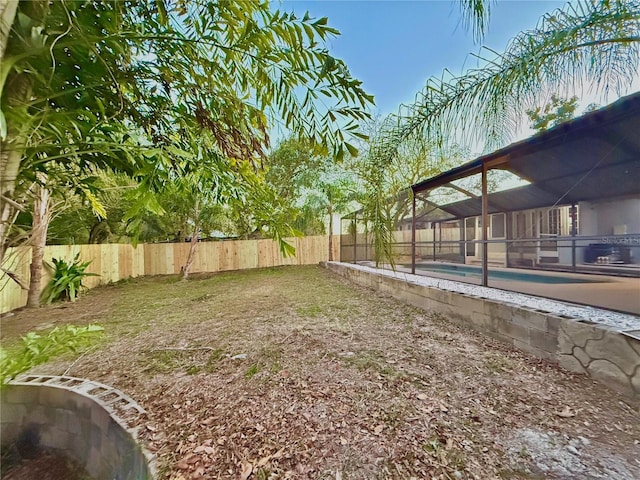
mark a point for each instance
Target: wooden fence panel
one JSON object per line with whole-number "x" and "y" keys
{"x": 113, "y": 262}
{"x": 16, "y": 260}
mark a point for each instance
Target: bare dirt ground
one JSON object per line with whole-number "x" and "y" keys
{"x": 45, "y": 465}
{"x": 296, "y": 373}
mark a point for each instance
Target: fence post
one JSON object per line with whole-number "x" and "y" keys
{"x": 485, "y": 228}
{"x": 413, "y": 233}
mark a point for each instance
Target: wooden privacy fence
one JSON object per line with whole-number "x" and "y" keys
{"x": 115, "y": 262}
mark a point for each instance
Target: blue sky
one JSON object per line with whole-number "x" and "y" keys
{"x": 394, "y": 46}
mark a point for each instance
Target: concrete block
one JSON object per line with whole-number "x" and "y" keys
{"x": 553, "y": 324}
{"x": 501, "y": 337}
{"x": 526, "y": 347}
{"x": 41, "y": 415}
{"x": 480, "y": 321}
{"x": 56, "y": 398}
{"x": 100, "y": 418}
{"x": 75, "y": 423}
{"x": 9, "y": 433}
{"x": 614, "y": 347}
{"x": 13, "y": 413}
{"x": 497, "y": 325}
{"x": 66, "y": 424}
{"x": 95, "y": 463}
{"x": 25, "y": 395}
{"x": 61, "y": 417}
{"x": 544, "y": 341}
{"x": 79, "y": 444}
{"x": 440, "y": 295}
{"x": 411, "y": 298}
{"x": 498, "y": 310}
{"x": 517, "y": 332}
{"x": 465, "y": 303}
{"x": 53, "y": 437}
{"x": 530, "y": 319}
{"x": 96, "y": 436}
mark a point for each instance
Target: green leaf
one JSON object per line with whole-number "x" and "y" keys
{"x": 353, "y": 151}
{"x": 3, "y": 126}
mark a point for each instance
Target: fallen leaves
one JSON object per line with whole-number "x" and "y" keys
{"x": 566, "y": 412}
{"x": 413, "y": 402}
{"x": 245, "y": 470}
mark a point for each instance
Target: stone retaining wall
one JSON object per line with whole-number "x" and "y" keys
{"x": 597, "y": 350}
{"x": 82, "y": 419}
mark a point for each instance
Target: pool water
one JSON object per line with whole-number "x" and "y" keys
{"x": 476, "y": 272}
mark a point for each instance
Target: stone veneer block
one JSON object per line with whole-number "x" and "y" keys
{"x": 634, "y": 342}
{"x": 544, "y": 341}
{"x": 581, "y": 356}
{"x": 615, "y": 348}
{"x": 572, "y": 333}
{"x": 571, "y": 363}
{"x": 635, "y": 380}
{"x": 609, "y": 373}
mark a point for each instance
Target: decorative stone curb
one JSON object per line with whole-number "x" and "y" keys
{"x": 601, "y": 351}
{"x": 85, "y": 420}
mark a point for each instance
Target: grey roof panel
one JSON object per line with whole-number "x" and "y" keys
{"x": 593, "y": 157}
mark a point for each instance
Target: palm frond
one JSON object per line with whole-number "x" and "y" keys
{"x": 592, "y": 45}
{"x": 475, "y": 16}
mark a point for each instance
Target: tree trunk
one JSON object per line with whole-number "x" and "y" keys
{"x": 9, "y": 167}
{"x": 9, "y": 160}
{"x": 192, "y": 252}
{"x": 330, "y": 233}
{"x": 40, "y": 226}
{"x": 8, "y": 10}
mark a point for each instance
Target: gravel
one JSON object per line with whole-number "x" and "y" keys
{"x": 553, "y": 455}
{"x": 619, "y": 321}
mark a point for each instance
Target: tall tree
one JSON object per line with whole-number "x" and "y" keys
{"x": 332, "y": 195}
{"x": 111, "y": 83}
{"x": 89, "y": 85}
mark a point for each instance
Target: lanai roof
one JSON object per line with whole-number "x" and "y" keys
{"x": 593, "y": 157}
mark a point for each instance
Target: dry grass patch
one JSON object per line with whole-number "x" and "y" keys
{"x": 296, "y": 373}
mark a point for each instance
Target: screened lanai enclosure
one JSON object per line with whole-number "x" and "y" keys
{"x": 556, "y": 215}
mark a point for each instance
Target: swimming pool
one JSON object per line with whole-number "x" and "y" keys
{"x": 476, "y": 272}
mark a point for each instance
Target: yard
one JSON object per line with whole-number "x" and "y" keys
{"x": 331, "y": 380}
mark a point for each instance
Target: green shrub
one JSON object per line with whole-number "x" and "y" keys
{"x": 35, "y": 349}
{"x": 66, "y": 281}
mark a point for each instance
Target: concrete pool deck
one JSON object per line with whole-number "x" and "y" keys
{"x": 603, "y": 291}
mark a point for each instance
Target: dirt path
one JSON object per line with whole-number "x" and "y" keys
{"x": 296, "y": 373}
